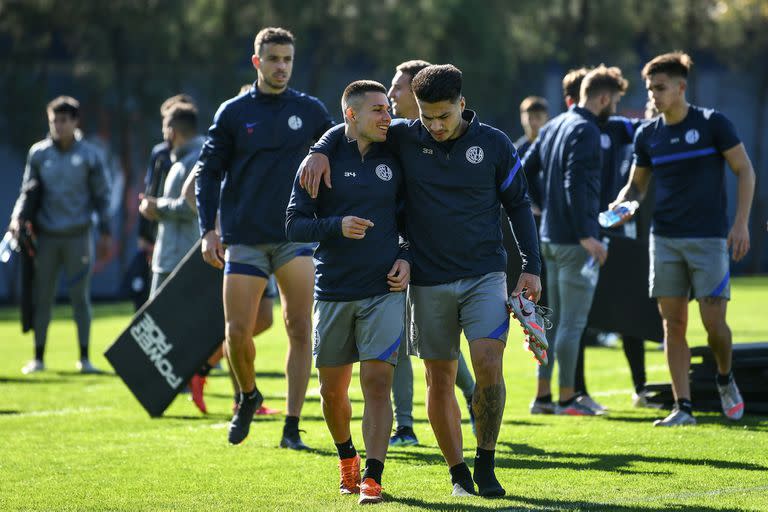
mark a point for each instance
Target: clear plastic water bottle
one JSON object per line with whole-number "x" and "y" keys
{"x": 610, "y": 218}
{"x": 591, "y": 268}
{"x": 7, "y": 246}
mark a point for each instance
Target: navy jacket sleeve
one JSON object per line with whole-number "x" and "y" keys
{"x": 329, "y": 140}
{"x": 725, "y": 133}
{"x": 531, "y": 165}
{"x": 214, "y": 160}
{"x": 513, "y": 193}
{"x": 642, "y": 159}
{"x": 582, "y": 180}
{"x": 301, "y": 221}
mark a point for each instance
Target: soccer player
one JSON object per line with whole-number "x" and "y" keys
{"x": 404, "y": 106}
{"x": 70, "y": 172}
{"x": 686, "y": 148}
{"x": 568, "y": 152}
{"x": 458, "y": 173}
{"x": 361, "y": 275}
{"x": 245, "y": 170}
{"x": 534, "y": 113}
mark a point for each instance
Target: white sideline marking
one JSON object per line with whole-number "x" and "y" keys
{"x": 62, "y": 412}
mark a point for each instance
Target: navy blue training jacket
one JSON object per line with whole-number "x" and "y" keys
{"x": 249, "y": 160}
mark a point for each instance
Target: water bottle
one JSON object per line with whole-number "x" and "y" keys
{"x": 591, "y": 268}
{"x": 7, "y": 246}
{"x": 610, "y": 218}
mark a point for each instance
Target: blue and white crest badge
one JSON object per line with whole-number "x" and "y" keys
{"x": 475, "y": 154}
{"x": 384, "y": 172}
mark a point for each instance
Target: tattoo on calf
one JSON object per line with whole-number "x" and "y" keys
{"x": 488, "y": 406}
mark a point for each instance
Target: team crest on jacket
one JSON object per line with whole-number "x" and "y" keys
{"x": 76, "y": 159}
{"x": 605, "y": 141}
{"x": 692, "y": 136}
{"x": 475, "y": 154}
{"x": 295, "y": 122}
{"x": 384, "y": 172}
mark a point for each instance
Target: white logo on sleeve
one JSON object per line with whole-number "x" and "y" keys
{"x": 295, "y": 122}
{"x": 384, "y": 172}
{"x": 692, "y": 136}
{"x": 475, "y": 154}
{"x": 605, "y": 141}
{"x": 76, "y": 160}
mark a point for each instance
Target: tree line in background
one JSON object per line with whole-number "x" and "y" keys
{"x": 129, "y": 55}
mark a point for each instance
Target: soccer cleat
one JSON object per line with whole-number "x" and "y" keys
{"x": 460, "y": 491}
{"x": 640, "y": 400}
{"x": 241, "y": 421}
{"x": 84, "y": 366}
{"x": 676, "y": 418}
{"x": 33, "y": 366}
{"x": 266, "y": 411}
{"x": 587, "y": 401}
{"x": 535, "y": 320}
{"x": 540, "y": 407}
{"x": 196, "y": 386}
{"x": 730, "y": 398}
{"x": 574, "y": 409}
{"x": 403, "y": 436}
{"x": 349, "y": 470}
{"x": 292, "y": 441}
{"x": 370, "y": 492}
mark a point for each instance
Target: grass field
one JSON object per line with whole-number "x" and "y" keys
{"x": 71, "y": 442}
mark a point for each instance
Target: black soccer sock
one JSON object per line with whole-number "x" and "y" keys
{"x": 544, "y": 398}
{"x": 291, "y": 425}
{"x": 83, "y": 351}
{"x": 461, "y": 475}
{"x": 485, "y": 476}
{"x": 347, "y": 450}
{"x": 685, "y": 405}
{"x": 723, "y": 380}
{"x": 204, "y": 370}
{"x": 39, "y": 352}
{"x": 373, "y": 469}
{"x": 484, "y": 459}
{"x": 634, "y": 351}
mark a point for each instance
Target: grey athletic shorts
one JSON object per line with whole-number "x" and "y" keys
{"x": 679, "y": 264}
{"x": 263, "y": 259}
{"x": 437, "y": 315}
{"x": 359, "y": 330}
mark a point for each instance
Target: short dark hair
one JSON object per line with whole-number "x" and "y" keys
{"x": 603, "y": 79}
{"x": 676, "y": 64}
{"x": 182, "y": 117}
{"x": 412, "y": 67}
{"x": 437, "y": 83}
{"x": 572, "y": 82}
{"x": 64, "y": 105}
{"x": 534, "y": 104}
{"x": 166, "y": 106}
{"x": 272, "y": 35}
{"x": 357, "y": 89}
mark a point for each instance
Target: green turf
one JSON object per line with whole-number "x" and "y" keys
{"x": 71, "y": 442}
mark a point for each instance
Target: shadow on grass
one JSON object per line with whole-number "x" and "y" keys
{"x": 749, "y": 421}
{"x": 76, "y": 373}
{"x": 30, "y": 380}
{"x": 523, "y": 504}
{"x": 618, "y": 463}
{"x": 9, "y": 412}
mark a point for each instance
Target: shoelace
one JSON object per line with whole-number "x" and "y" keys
{"x": 348, "y": 473}
{"x": 544, "y": 313}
